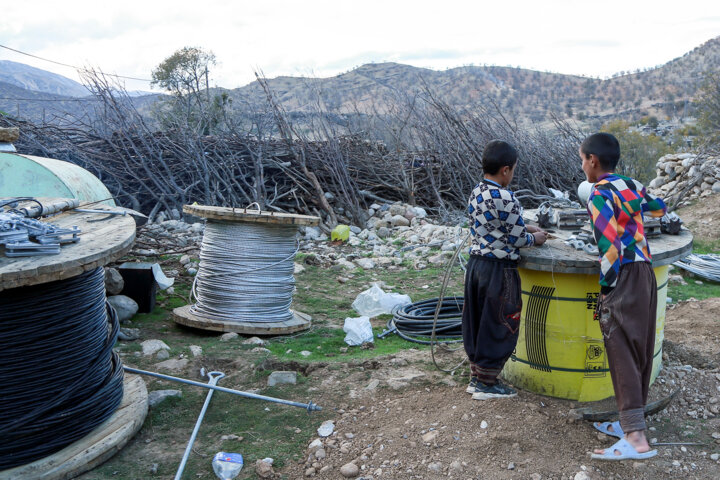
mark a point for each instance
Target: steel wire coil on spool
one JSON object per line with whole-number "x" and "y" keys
{"x": 59, "y": 377}
{"x": 414, "y": 322}
{"x": 246, "y": 272}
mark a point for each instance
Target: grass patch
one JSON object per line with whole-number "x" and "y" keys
{"x": 704, "y": 246}
{"x": 702, "y": 291}
{"x": 699, "y": 291}
{"x": 328, "y": 345}
{"x": 320, "y": 293}
{"x": 168, "y": 427}
{"x": 268, "y": 429}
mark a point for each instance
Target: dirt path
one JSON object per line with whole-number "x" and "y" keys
{"x": 403, "y": 419}
{"x": 702, "y": 218}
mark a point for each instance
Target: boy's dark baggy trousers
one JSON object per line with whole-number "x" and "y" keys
{"x": 491, "y": 315}
{"x": 627, "y": 320}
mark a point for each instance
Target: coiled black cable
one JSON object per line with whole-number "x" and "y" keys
{"x": 59, "y": 377}
{"x": 414, "y": 322}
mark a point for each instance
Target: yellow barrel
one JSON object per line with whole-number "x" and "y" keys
{"x": 560, "y": 350}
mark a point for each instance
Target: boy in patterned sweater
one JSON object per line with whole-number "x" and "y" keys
{"x": 628, "y": 293}
{"x": 492, "y": 304}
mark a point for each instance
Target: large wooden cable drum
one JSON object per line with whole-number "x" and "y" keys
{"x": 245, "y": 281}
{"x": 65, "y": 405}
{"x": 560, "y": 350}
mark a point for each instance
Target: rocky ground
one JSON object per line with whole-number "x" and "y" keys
{"x": 401, "y": 418}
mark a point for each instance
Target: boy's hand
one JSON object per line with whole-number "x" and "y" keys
{"x": 532, "y": 228}
{"x": 540, "y": 237}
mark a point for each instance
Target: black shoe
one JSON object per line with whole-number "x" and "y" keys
{"x": 483, "y": 392}
{"x": 473, "y": 385}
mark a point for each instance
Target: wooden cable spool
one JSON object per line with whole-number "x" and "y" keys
{"x": 101, "y": 242}
{"x": 189, "y": 316}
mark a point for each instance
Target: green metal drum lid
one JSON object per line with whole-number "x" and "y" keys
{"x": 31, "y": 176}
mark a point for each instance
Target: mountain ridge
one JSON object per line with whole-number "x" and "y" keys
{"x": 39, "y": 80}
{"x": 527, "y": 94}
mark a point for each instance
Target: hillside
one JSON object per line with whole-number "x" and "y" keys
{"x": 664, "y": 91}
{"x": 667, "y": 90}
{"x": 38, "y": 80}
{"x": 39, "y": 107}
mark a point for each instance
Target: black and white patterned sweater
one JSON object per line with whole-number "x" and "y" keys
{"x": 496, "y": 224}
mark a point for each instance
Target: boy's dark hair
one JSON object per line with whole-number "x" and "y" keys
{"x": 605, "y": 146}
{"x": 498, "y": 154}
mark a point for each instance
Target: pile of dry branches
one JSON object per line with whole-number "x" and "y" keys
{"x": 420, "y": 151}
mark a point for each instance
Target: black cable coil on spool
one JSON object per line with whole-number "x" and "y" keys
{"x": 414, "y": 322}
{"x": 59, "y": 377}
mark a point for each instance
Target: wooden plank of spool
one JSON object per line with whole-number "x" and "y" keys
{"x": 230, "y": 214}
{"x": 101, "y": 242}
{"x": 300, "y": 321}
{"x": 96, "y": 447}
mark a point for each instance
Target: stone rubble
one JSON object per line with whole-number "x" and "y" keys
{"x": 393, "y": 234}
{"x": 694, "y": 175}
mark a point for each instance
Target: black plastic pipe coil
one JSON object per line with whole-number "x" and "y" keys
{"x": 414, "y": 322}
{"x": 59, "y": 377}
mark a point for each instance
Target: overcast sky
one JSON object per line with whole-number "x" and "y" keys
{"x": 325, "y": 38}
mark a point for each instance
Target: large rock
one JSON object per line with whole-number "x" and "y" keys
{"x": 128, "y": 334}
{"x": 114, "y": 282}
{"x": 399, "y": 221}
{"x": 344, "y": 263}
{"x": 313, "y": 233}
{"x": 383, "y": 232}
{"x": 264, "y": 469}
{"x": 157, "y": 396}
{"x": 349, "y": 470}
{"x": 151, "y": 347}
{"x": 437, "y": 259}
{"x": 396, "y": 209}
{"x": 282, "y": 377}
{"x": 365, "y": 263}
{"x": 125, "y": 307}
{"x": 173, "y": 365}
{"x": 9, "y": 134}
{"x": 657, "y": 182}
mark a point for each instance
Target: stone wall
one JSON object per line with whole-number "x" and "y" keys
{"x": 686, "y": 176}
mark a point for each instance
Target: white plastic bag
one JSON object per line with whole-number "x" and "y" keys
{"x": 358, "y": 331}
{"x": 374, "y": 301}
{"x": 227, "y": 465}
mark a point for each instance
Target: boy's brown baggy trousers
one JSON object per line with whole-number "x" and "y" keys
{"x": 627, "y": 320}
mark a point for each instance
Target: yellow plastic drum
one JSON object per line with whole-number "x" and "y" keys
{"x": 560, "y": 351}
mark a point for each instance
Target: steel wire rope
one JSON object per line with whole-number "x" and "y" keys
{"x": 59, "y": 377}
{"x": 706, "y": 266}
{"x": 443, "y": 289}
{"x": 246, "y": 272}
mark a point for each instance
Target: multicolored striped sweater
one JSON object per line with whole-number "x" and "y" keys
{"x": 496, "y": 225}
{"x": 616, "y": 206}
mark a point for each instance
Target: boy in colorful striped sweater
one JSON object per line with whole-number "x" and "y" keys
{"x": 628, "y": 293}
